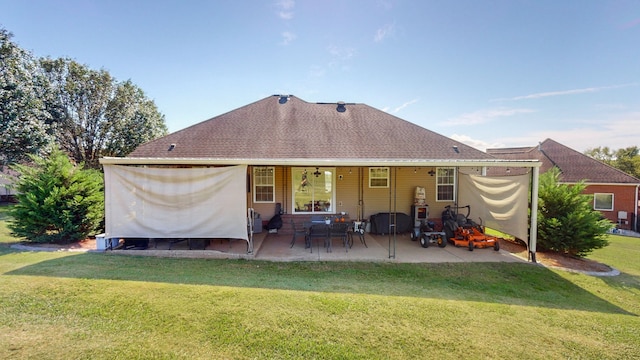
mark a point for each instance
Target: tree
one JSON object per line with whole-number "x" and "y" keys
{"x": 603, "y": 154}
{"x": 627, "y": 159}
{"x": 567, "y": 222}
{"x": 57, "y": 201}
{"x": 24, "y": 120}
{"x": 94, "y": 115}
{"x": 134, "y": 118}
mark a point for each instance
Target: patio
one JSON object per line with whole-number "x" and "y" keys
{"x": 276, "y": 247}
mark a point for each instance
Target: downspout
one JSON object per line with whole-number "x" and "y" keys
{"x": 635, "y": 218}
{"x": 533, "y": 232}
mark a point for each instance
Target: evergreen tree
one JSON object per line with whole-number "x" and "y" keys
{"x": 567, "y": 222}
{"x": 57, "y": 201}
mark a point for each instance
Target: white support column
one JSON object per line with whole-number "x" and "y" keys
{"x": 635, "y": 218}
{"x": 533, "y": 232}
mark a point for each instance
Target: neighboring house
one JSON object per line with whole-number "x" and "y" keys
{"x": 309, "y": 158}
{"x": 615, "y": 192}
{"x": 7, "y": 180}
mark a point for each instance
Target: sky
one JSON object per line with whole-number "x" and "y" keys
{"x": 488, "y": 73}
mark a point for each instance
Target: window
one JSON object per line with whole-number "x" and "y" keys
{"x": 313, "y": 190}
{"x": 379, "y": 177}
{"x": 264, "y": 184}
{"x": 603, "y": 202}
{"x": 445, "y": 184}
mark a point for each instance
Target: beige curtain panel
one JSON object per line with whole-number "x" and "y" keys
{"x": 501, "y": 202}
{"x": 175, "y": 203}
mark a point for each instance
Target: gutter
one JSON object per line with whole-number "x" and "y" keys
{"x": 318, "y": 162}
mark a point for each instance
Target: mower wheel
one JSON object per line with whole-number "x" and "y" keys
{"x": 424, "y": 242}
{"x": 470, "y": 245}
{"x": 442, "y": 242}
{"x": 496, "y": 245}
{"x": 448, "y": 234}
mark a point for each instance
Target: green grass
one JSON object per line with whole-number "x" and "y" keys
{"x": 104, "y": 306}
{"x": 5, "y": 236}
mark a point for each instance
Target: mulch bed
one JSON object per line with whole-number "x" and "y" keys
{"x": 555, "y": 259}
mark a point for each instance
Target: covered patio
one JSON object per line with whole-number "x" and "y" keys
{"x": 276, "y": 247}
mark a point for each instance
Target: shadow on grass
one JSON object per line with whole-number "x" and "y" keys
{"x": 623, "y": 281}
{"x": 504, "y": 283}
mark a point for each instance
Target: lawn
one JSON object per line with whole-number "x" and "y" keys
{"x": 104, "y": 306}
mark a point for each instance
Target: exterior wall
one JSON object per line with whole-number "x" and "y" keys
{"x": 267, "y": 210}
{"x": 352, "y": 185}
{"x": 404, "y": 181}
{"x": 624, "y": 199}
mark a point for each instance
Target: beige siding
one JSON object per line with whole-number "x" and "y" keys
{"x": 404, "y": 181}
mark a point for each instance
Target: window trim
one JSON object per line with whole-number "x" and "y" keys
{"x": 607, "y": 194}
{"x": 386, "y": 177}
{"x": 453, "y": 184}
{"x": 332, "y": 201}
{"x": 256, "y": 185}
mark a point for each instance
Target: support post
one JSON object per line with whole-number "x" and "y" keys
{"x": 533, "y": 232}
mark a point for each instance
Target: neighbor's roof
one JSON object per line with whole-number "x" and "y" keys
{"x": 286, "y": 127}
{"x": 574, "y": 166}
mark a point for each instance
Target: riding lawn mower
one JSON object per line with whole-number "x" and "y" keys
{"x": 462, "y": 231}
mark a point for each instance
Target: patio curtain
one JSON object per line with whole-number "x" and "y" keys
{"x": 501, "y": 202}
{"x": 175, "y": 202}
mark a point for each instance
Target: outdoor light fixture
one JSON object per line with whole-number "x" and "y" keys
{"x": 431, "y": 172}
{"x": 317, "y": 172}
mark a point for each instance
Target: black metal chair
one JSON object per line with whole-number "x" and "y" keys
{"x": 357, "y": 230}
{"x": 339, "y": 230}
{"x": 318, "y": 231}
{"x": 298, "y": 230}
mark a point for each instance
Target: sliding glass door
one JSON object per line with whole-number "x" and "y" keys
{"x": 313, "y": 190}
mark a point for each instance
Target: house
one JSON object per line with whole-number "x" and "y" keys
{"x": 615, "y": 193}
{"x": 7, "y": 182}
{"x": 304, "y": 159}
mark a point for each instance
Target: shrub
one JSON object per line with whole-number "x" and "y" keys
{"x": 567, "y": 222}
{"x": 57, "y": 201}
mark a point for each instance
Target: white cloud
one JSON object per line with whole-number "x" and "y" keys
{"x": 285, "y": 9}
{"x": 475, "y": 143}
{"x": 342, "y": 53}
{"x": 385, "y": 5}
{"x": 565, "y": 92}
{"x": 617, "y": 132}
{"x": 484, "y": 116}
{"x": 288, "y": 37}
{"x": 384, "y": 32}
{"x": 410, "y": 102}
{"x": 316, "y": 71}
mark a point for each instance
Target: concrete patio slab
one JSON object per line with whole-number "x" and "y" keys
{"x": 276, "y": 247}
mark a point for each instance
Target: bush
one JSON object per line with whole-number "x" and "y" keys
{"x": 57, "y": 201}
{"x": 567, "y": 222}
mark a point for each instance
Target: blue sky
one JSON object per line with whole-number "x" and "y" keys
{"x": 499, "y": 73}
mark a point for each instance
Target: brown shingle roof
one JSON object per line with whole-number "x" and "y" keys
{"x": 279, "y": 127}
{"x": 574, "y": 166}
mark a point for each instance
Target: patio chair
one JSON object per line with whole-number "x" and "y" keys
{"x": 339, "y": 230}
{"x": 318, "y": 231}
{"x": 298, "y": 230}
